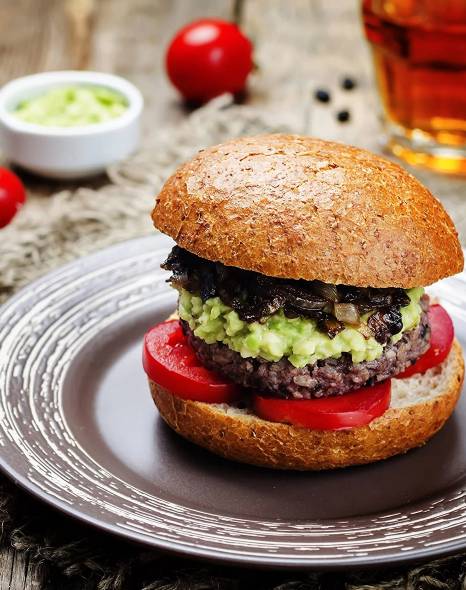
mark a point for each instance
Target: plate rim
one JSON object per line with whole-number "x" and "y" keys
{"x": 220, "y": 557}
{"x": 215, "y": 555}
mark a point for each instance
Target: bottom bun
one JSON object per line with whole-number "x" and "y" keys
{"x": 419, "y": 407}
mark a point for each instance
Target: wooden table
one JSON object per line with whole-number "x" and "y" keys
{"x": 300, "y": 45}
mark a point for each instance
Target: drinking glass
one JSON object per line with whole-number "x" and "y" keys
{"x": 419, "y": 51}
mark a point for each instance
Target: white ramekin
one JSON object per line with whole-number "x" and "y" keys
{"x": 68, "y": 152}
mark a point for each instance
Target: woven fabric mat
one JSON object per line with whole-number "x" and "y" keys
{"x": 50, "y": 231}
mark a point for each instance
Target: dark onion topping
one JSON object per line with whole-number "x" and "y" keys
{"x": 330, "y": 325}
{"x": 325, "y": 290}
{"x": 348, "y": 313}
{"x": 255, "y": 297}
{"x": 384, "y": 323}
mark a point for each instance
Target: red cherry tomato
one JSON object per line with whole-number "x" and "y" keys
{"x": 332, "y": 413}
{"x": 12, "y": 196}
{"x": 441, "y": 339}
{"x": 207, "y": 58}
{"x": 171, "y": 362}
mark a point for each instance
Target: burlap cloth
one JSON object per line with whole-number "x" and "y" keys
{"x": 50, "y": 231}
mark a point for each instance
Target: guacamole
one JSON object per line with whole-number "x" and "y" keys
{"x": 72, "y": 106}
{"x": 298, "y": 339}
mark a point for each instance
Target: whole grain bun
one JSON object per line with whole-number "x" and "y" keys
{"x": 303, "y": 208}
{"x": 419, "y": 408}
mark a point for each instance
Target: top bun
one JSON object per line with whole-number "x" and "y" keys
{"x": 303, "y": 208}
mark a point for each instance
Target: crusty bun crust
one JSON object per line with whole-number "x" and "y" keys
{"x": 420, "y": 406}
{"x": 303, "y": 208}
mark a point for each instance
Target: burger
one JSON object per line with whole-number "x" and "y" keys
{"x": 304, "y": 338}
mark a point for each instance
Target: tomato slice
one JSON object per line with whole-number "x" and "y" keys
{"x": 331, "y": 413}
{"x": 170, "y": 362}
{"x": 441, "y": 340}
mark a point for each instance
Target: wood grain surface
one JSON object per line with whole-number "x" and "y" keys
{"x": 300, "y": 45}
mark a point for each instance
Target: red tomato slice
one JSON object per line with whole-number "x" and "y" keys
{"x": 332, "y": 413}
{"x": 170, "y": 362}
{"x": 441, "y": 340}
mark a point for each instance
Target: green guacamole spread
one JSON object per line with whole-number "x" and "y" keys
{"x": 298, "y": 339}
{"x": 72, "y": 106}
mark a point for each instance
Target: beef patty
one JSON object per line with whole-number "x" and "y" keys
{"x": 322, "y": 379}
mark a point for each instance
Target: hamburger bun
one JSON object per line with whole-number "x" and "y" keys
{"x": 419, "y": 408}
{"x": 303, "y": 208}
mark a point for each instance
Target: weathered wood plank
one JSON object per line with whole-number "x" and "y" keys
{"x": 80, "y": 17}
{"x": 34, "y": 37}
{"x": 313, "y": 45}
{"x": 136, "y": 49}
{"x": 17, "y": 572}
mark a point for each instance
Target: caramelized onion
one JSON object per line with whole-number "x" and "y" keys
{"x": 347, "y": 313}
{"x": 385, "y": 323}
{"x": 330, "y": 326}
{"x": 325, "y": 290}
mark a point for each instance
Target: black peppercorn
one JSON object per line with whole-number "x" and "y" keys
{"x": 348, "y": 83}
{"x": 343, "y": 116}
{"x": 322, "y": 95}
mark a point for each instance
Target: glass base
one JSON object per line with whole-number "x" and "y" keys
{"x": 419, "y": 149}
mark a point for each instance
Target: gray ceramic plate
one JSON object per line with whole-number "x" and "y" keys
{"x": 78, "y": 429}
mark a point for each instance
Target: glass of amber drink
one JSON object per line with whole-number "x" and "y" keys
{"x": 419, "y": 50}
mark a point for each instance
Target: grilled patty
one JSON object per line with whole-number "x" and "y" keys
{"x": 324, "y": 378}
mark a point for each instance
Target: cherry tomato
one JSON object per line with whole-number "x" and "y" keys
{"x": 12, "y": 196}
{"x": 171, "y": 362}
{"x": 331, "y": 413}
{"x": 441, "y": 339}
{"x": 207, "y": 58}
